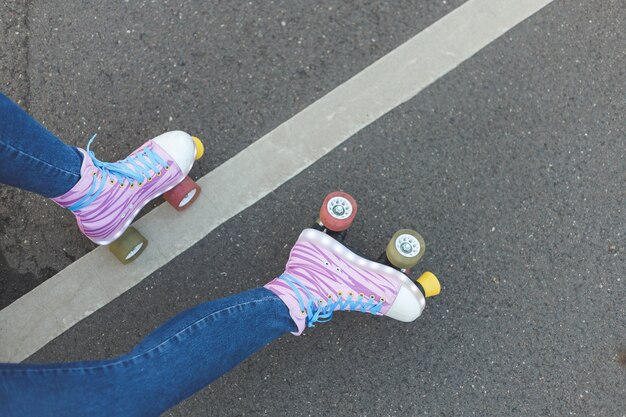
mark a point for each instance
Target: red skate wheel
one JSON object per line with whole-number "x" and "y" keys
{"x": 338, "y": 211}
{"x": 183, "y": 195}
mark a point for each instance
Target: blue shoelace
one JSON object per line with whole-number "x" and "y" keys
{"x": 139, "y": 171}
{"x": 323, "y": 311}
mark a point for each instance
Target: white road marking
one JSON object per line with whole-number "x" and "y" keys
{"x": 98, "y": 278}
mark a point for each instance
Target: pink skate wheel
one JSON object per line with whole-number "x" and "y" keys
{"x": 338, "y": 211}
{"x": 183, "y": 195}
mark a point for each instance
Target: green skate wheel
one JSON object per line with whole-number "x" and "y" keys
{"x": 129, "y": 246}
{"x": 405, "y": 248}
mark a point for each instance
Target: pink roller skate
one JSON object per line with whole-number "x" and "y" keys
{"x": 323, "y": 276}
{"x": 110, "y": 194}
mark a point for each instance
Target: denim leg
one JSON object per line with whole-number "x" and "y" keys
{"x": 175, "y": 361}
{"x": 31, "y": 157}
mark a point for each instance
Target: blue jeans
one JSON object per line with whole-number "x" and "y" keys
{"x": 173, "y": 362}
{"x": 31, "y": 157}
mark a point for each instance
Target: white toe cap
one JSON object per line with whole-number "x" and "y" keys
{"x": 179, "y": 145}
{"x": 408, "y": 304}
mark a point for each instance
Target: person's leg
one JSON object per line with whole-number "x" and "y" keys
{"x": 175, "y": 361}
{"x": 196, "y": 347}
{"x": 31, "y": 157}
{"x": 104, "y": 197}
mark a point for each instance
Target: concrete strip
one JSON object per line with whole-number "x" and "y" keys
{"x": 97, "y": 278}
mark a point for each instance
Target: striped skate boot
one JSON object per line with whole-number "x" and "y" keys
{"x": 109, "y": 195}
{"x": 323, "y": 276}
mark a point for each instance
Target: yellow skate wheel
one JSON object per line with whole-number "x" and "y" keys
{"x": 129, "y": 246}
{"x": 405, "y": 248}
{"x": 199, "y": 147}
{"x": 430, "y": 284}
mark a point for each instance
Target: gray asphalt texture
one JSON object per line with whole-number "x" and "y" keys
{"x": 512, "y": 167}
{"x": 227, "y": 72}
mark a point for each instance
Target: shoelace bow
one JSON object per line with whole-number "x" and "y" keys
{"x": 136, "y": 167}
{"x": 324, "y": 309}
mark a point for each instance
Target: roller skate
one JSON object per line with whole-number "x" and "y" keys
{"x": 323, "y": 275}
{"x": 109, "y": 195}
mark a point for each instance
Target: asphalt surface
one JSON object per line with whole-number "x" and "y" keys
{"x": 512, "y": 167}
{"x": 227, "y": 72}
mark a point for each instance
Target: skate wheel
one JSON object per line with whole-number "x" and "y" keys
{"x": 430, "y": 284}
{"x": 338, "y": 211}
{"x": 129, "y": 246}
{"x": 199, "y": 147}
{"x": 405, "y": 248}
{"x": 183, "y": 195}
